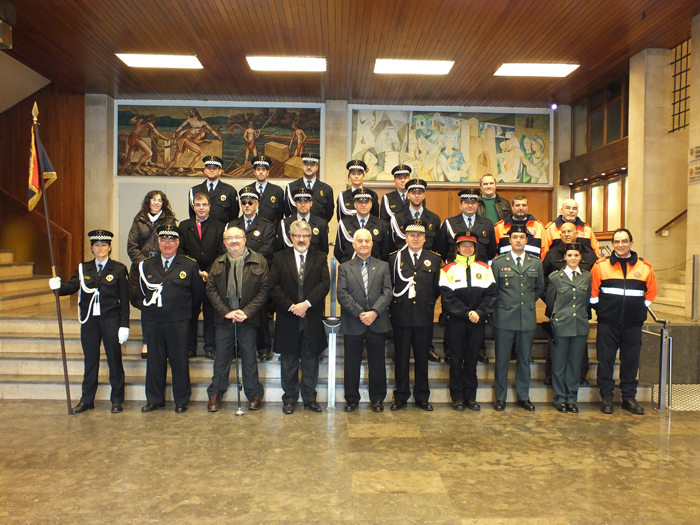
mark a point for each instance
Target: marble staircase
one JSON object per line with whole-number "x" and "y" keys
{"x": 19, "y": 287}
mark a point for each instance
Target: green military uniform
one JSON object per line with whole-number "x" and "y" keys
{"x": 515, "y": 317}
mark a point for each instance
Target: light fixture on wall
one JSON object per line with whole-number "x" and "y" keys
{"x": 412, "y": 67}
{"x": 553, "y": 106}
{"x": 535, "y": 70}
{"x": 290, "y": 64}
{"x": 161, "y": 61}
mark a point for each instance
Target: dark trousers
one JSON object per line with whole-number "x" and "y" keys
{"x": 264, "y": 343}
{"x": 309, "y": 370}
{"x": 548, "y": 363}
{"x": 523, "y": 348}
{"x": 405, "y": 337}
{"x": 566, "y": 371}
{"x": 102, "y": 329}
{"x": 376, "y": 363}
{"x": 466, "y": 338}
{"x": 167, "y": 342}
{"x": 629, "y": 340}
{"x": 208, "y": 313}
{"x": 225, "y": 344}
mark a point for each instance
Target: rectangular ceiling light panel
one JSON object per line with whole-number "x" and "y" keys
{"x": 295, "y": 64}
{"x": 162, "y": 61}
{"x": 412, "y": 67}
{"x": 535, "y": 70}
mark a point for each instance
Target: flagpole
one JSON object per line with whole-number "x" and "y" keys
{"x": 35, "y": 115}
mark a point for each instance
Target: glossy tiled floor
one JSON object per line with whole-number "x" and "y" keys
{"x": 390, "y": 468}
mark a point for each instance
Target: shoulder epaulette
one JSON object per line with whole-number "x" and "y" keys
{"x": 434, "y": 252}
{"x": 190, "y": 258}
{"x": 549, "y": 224}
{"x": 395, "y": 251}
{"x": 499, "y": 222}
{"x": 645, "y": 261}
{"x": 482, "y": 263}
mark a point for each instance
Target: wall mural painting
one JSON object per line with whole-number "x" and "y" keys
{"x": 453, "y": 146}
{"x": 172, "y": 140}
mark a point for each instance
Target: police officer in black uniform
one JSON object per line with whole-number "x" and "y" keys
{"x": 347, "y": 227}
{"x": 168, "y": 286}
{"x": 259, "y": 232}
{"x": 395, "y": 201}
{"x": 222, "y": 196}
{"x": 416, "y": 209}
{"x": 104, "y": 317}
{"x": 319, "y": 227}
{"x": 323, "y": 203}
{"x": 270, "y": 196}
{"x": 356, "y": 176}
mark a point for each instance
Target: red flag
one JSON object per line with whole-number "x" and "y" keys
{"x": 39, "y": 165}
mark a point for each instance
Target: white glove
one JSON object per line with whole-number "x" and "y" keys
{"x": 55, "y": 283}
{"x": 123, "y": 334}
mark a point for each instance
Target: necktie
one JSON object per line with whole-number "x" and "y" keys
{"x": 247, "y": 223}
{"x": 308, "y": 184}
{"x": 304, "y": 219}
{"x": 99, "y": 268}
{"x": 470, "y": 221}
{"x": 260, "y": 189}
{"x": 301, "y": 270}
{"x": 199, "y": 229}
{"x": 415, "y": 259}
{"x": 211, "y": 187}
{"x": 403, "y": 197}
{"x": 416, "y": 216}
{"x": 518, "y": 265}
{"x": 576, "y": 273}
{"x": 362, "y": 223}
{"x": 165, "y": 266}
{"x": 365, "y": 275}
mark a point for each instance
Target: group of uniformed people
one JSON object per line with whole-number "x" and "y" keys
{"x": 243, "y": 255}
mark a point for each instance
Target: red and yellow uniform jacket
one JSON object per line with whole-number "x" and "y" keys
{"x": 585, "y": 234}
{"x": 620, "y": 294}
{"x": 534, "y": 245}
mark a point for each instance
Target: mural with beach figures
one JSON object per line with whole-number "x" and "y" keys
{"x": 172, "y": 140}
{"x": 453, "y": 146}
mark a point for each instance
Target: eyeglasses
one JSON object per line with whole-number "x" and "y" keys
{"x": 212, "y": 167}
{"x": 233, "y": 239}
{"x": 167, "y": 240}
{"x": 300, "y": 236}
{"x": 157, "y": 200}
{"x": 248, "y": 203}
{"x": 623, "y": 242}
{"x": 201, "y": 204}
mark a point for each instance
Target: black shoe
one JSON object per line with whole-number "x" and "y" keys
{"x": 117, "y": 407}
{"x": 267, "y": 356}
{"x": 584, "y": 382}
{"x": 448, "y": 360}
{"x": 211, "y": 354}
{"x": 82, "y": 407}
{"x": 192, "y": 353}
{"x": 180, "y": 408}
{"x": 632, "y": 406}
{"x": 377, "y": 406}
{"x": 561, "y": 407}
{"x": 473, "y": 405}
{"x": 150, "y": 407}
{"x": 288, "y": 408}
{"x": 527, "y": 405}
{"x": 424, "y": 405}
{"x": 571, "y": 407}
{"x": 398, "y": 404}
{"x": 547, "y": 381}
{"x": 351, "y": 406}
{"x": 499, "y": 406}
{"x": 483, "y": 358}
{"x": 606, "y": 407}
{"x": 458, "y": 406}
{"x": 314, "y": 407}
{"x": 432, "y": 356}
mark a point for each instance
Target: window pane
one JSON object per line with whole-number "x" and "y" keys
{"x": 614, "y": 117}
{"x": 580, "y": 198}
{"x": 580, "y": 128}
{"x": 597, "y": 204}
{"x": 614, "y": 205}
{"x": 614, "y": 90}
{"x": 597, "y": 100}
{"x": 596, "y": 129}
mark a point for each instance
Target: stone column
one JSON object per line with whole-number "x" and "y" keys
{"x": 562, "y": 153}
{"x": 335, "y": 154}
{"x": 693, "y": 197}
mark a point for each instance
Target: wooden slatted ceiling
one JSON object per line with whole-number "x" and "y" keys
{"x": 72, "y": 42}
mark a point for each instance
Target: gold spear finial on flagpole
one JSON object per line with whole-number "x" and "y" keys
{"x": 35, "y": 113}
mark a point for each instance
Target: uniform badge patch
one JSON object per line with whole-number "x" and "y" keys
{"x": 427, "y": 263}
{"x": 256, "y": 233}
{"x": 479, "y": 276}
{"x": 430, "y": 227}
{"x": 223, "y": 197}
{"x": 315, "y": 231}
{"x": 483, "y": 233}
{"x": 273, "y": 199}
{"x": 375, "y": 231}
{"x": 321, "y": 193}
{"x": 87, "y": 277}
{"x": 637, "y": 275}
{"x": 183, "y": 275}
{"x": 110, "y": 278}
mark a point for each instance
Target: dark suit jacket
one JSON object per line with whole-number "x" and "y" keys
{"x": 487, "y": 248}
{"x": 404, "y": 217}
{"x": 353, "y": 301}
{"x": 260, "y": 237}
{"x": 419, "y": 310}
{"x": 346, "y": 203}
{"x": 112, "y": 285}
{"x": 183, "y": 287}
{"x": 223, "y": 200}
{"x": 206, "y": 249}
{"x": 323, "y": 204}
{"x": 392, "y": 203}
{"x": 284, "y": 292}
{"x": 271, "y": 203}
{"x": 319, "y": 234}
{"x": 380, "y": 237}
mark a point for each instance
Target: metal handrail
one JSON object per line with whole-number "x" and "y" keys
{"x": 666, "y": 368}
{"x": 670, "y": 223}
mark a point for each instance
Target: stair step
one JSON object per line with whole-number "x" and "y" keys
{"x": 7, "y": 256}
{"x": 22, "y": 300}
{"x": 672, "y": 291}
{"x": 35, "y": 283}
{"x": 8, "y": 270}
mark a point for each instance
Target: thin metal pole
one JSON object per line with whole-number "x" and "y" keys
{"x": 663, "y": 372}
{"x": 238, "y": 412}
{"x": 696, "y": 287}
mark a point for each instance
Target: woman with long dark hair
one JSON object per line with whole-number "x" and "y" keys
{"x": 143, "y": 241}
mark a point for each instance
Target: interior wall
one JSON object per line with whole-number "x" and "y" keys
{"x": 62, "y": 130}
